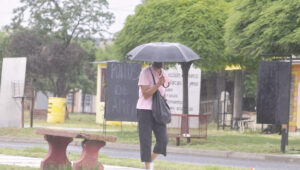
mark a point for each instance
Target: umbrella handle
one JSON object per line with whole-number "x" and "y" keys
{"x": 167, "y": 85}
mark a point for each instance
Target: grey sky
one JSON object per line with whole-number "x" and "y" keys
{"x": 120, "y": 8}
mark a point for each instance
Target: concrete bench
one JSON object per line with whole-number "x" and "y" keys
{"x": 58, "y": 141}
{"x": 241, "y": 123}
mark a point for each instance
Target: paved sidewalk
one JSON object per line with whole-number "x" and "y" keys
{"x": 288, "y": 158}
{"x": 292, "y": 158}
{"x": 35, "y": 162}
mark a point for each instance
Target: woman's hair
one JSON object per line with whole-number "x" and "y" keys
{"x": 157, "y": 64}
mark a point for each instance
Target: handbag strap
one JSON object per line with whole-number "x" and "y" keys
{"x": 152, "y": 75}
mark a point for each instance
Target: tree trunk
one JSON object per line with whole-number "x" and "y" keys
{"x": 66, "y": 114}
{"x": 238, "y": 94}
{"x": 208, "y": 89}
{"x": 73, "y": 100}
{"x": 61, "y": 85}
{"x": 220, "y": 83}
{"x": 83, "y": 101}
{"x": 220, "y": 86}
{"x": 211, "y": 87}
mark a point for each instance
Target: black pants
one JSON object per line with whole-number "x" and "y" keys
{"x": 146, "y": 125}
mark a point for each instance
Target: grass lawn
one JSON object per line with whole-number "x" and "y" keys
{"x": 12, "y": 167}
{"x": 159, "y": 165}
{"x": 226, "y": 140}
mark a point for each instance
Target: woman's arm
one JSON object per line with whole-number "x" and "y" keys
{"x": 148, "y": 92}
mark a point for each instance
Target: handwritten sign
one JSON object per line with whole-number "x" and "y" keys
{"x": 121, "y": 91}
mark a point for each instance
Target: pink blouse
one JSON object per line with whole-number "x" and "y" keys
{"x": 146, "y": 79}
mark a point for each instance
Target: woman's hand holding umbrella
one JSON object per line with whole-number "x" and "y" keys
{"x": 161, "y": 80}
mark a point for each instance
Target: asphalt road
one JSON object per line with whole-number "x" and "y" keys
{"x": 202, "y": 160}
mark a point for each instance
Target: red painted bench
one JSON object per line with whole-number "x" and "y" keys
{"x": 58, "y": 141}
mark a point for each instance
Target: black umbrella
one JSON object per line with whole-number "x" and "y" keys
{"x": 168, "y": 52}
{"x": 162, "y": 52}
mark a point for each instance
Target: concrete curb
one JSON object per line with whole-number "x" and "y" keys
{"x": 284, "y": 158}
{"x": 177, "y": 150}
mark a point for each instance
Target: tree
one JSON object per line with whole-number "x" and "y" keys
{"x": 86, "y": 81}
{"x": 66, "y": 19}
{"x": 61, "y": 22}
{"x": 262, "y": 27}
{"x": 49, "y": 62}
{"x": 195, "y": 23}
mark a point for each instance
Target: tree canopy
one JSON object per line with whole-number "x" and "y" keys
{"x": 195, "y": 23}
{"x": 64, "y": 18}
{"x": 108, "y": 52}
{"x": 49, "y": 36}
{"x": 262, "y": 27}
{"x": 86, "y": 81}
{"x": 52, "y": 65}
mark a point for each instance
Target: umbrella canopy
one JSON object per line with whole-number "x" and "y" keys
{"x": 162, "y": 52}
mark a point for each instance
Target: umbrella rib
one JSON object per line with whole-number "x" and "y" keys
{"x": 177, "y": 45}
{"x": 139, "y": 50}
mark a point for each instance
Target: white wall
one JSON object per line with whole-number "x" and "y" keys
{"x": 13, "y": 69}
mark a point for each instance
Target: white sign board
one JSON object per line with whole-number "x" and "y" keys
{"x": 12, "y": 85}
{"x": 174, "y": 93}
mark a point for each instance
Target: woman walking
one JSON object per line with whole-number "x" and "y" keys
{"x": 146, "y": 122}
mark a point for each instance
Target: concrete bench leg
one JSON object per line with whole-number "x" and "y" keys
{"x": 89, "y": 157}
{"x": 56, "y": 158}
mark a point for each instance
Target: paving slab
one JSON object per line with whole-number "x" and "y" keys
{"x": 23, "y": 161}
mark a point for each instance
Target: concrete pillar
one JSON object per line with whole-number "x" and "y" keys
{"x": 238, "y": 94}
